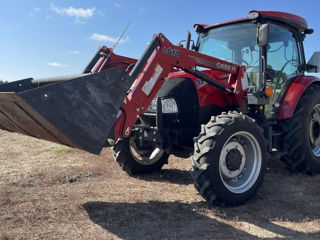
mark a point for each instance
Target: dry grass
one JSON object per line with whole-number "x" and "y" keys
{"x": 69, "y": 194}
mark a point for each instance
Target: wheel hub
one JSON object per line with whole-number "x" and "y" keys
{"x": 233, "y": 159}
{"x": 233, "y": 156}
{"x": 314, "y": 130}
{"x": 145, "y": 155}
{"x": 240, "y": 162}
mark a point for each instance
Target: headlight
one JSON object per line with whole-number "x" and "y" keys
{"x": 168, "y": 106}
{"x": 153, "y": 106}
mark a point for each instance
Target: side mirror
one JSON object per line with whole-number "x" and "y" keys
{"x": 263, "y": 35}
{"x": 313, "y": 65}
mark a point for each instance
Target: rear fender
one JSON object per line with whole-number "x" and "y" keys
{"x": 294, "y": 93}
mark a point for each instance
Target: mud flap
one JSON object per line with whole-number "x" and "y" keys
{"x": 79, "y": 113}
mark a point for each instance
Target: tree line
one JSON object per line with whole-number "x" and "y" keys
{"x": 3, "y": 82}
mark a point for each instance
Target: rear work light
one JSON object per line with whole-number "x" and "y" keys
{"x": 253, "y": 15}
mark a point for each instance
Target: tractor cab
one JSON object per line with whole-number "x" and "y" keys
{"x": 268, "y": 43}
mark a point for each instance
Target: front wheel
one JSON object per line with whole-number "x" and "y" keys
{"x": 134, "y": 159}
{"x": 229, "y": 161}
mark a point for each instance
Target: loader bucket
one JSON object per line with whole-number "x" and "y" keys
{"x": 79, "y": 112}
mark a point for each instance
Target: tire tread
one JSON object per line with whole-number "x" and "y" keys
{"x": 295, "y": 157}
{"x": 201, "y": 172}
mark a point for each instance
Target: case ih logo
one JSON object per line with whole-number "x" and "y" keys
{"x": 227, "y": 67}
{"x": 170, "y": 51}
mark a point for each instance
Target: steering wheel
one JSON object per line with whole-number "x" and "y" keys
{"x": 279, "y": 73}
{"x": 286, "y": 63}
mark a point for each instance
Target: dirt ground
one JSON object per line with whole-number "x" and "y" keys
{"x": 51, "y": 192}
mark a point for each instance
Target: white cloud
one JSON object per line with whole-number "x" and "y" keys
{"x": 55, "y": 64}
{"x": 105, "y": 38}
{"x": 74, "y": 52}
{"x": 117, "y": 4}
{"x": 36, "y": 9}
{"x": 74, "y": 12}
{"x": 142, "y": 10}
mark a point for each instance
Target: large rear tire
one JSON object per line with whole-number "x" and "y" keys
{"x": 302, "y": 134}
{"x": 229, "y": 160}
{"x": 134, "y": 160}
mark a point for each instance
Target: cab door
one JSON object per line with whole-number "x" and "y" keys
{"x": 282, "y": 63}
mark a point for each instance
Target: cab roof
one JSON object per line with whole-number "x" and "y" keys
{"x": 292, "y": 20}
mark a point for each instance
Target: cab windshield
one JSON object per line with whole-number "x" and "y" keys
{"x": 234, "y": 43}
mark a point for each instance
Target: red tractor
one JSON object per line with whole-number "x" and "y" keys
{"x": 238, "y": 98}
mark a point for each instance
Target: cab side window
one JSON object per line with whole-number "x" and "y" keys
{"x": 282, "y": 61}
{"x": 282, "y": 56}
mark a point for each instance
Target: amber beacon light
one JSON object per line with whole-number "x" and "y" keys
{"x": 268, "y": 91}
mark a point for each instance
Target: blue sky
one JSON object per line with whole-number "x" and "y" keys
{"x": 41, "y": 38}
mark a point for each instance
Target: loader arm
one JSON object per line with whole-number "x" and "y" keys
{"x": 105, "y": 58}
{"x": 158, "y": 60}
{"x": 81, "y": 111}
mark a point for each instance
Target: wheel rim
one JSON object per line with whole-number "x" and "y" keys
{"x": 314, "y": 130}
{"x": 240, "y": 162}
{"x": 146, "y": 157}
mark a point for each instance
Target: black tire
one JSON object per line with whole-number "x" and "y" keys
{"x": 129, "y": 162}
{"x": 224, "y": 134}
{"x": 297, "y": 131}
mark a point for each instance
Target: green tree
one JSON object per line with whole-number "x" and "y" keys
{"x": 3, "y": 82}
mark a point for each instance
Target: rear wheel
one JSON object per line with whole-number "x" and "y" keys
{"x": 134, "y": 159}
{"x": 302, "y": 134}
{"x": 229, "y": 160}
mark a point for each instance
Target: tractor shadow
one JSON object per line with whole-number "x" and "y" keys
{"x": 174, "y": 176}
{"x": 157, "y": 220}
{"x": 177, "y": 220}
{"x": 286, "y": 204}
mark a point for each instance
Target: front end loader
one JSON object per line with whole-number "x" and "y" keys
{"x": 76, "y": 112}
{"x": 230, "y": 103}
